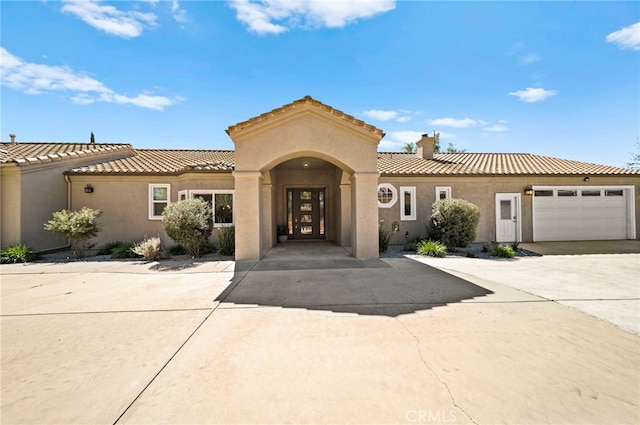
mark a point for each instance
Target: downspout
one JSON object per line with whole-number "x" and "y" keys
{"x": 68, "y": 180}
{"x": 68, "y": 245}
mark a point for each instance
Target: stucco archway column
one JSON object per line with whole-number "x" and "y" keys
{"x": 248, "y": 205}
{"x": 364, "y": 215}
{"x": 344, "y": 219}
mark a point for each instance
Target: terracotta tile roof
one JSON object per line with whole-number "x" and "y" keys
{"x": 27, "y": 153}
{"x": 307, "y": 100}
{"x": 163, "y": 161}
{"x": 168, "y": 161}
{"x": 395, "y": 163}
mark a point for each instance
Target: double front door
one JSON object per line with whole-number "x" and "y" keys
{"x": 306, "y": 213}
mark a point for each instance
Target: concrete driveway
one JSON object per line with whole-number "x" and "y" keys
{"x": 322, "y": 340}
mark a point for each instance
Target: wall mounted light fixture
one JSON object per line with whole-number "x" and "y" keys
{"x": 528, "y": 190}
{"x": 586, "y": 179}
{"x": 88, "y": 189}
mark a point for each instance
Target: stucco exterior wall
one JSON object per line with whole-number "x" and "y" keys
{"x": 124, "y": 201}
{"x": 306, "y": 135}
{"x": 32, "y": 193}
{"x": 9, "y": 205}
{"x": 481, "y": 190}
{"x": 305, "y": 131}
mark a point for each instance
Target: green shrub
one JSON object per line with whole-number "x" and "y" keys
{"x": 177, "y": 250}
{"x": 189, "y": 223}
{"x": 124, "y": 251}
{"x": 503, "y": 251}
{"x": 108, "y": 248}
{"x": 118, "y": 249}
{"x": 454, "y": 222}
{"x": 78, "y": 226}
{"x": 17, "y": 254}
{"x": 431, "y": 248}
{"x": 208, "y": 247}
{"x": 227, "y": 241}
{"x": 412, "y": 245}
{"x": 149, "y": 248}
{"x": 384, "y": 236}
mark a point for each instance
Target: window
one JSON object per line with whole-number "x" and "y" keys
{"x": 223, "y": 209}
{"x": 221, "y": 203}
{"x": 613, "y": 192}
{"x": 590, "y": 193}
{"x": 159, "y": 198}
{"x": 543, "y": 193}
{"x": 567, "y": 193}
{"x": 407, "y": 203}
{"x": 505, "y": 209}
{"x": 387, "y": 195}
{"x": 182, "y": 195}
{"x": 443, "y": 193}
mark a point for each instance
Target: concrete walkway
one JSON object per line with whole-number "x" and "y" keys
{"x": 389, "y": 341}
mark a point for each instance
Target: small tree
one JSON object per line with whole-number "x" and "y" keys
{"x": 189, "y": 223}
{"x": 634, "y": 164}
{"x": 452, "y": 149}
{"x": 409, "y": 148}
{"x": 454, "y": 222}
{"x": 78, "y": 226}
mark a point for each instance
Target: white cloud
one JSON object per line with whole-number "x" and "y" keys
{"x": 445, "y": 135}
{"x": 531, "y": 95}
{"x": 627, "y": 37}
{"x": 109, "y": 19}
{"x": 277, "y": 16}
{"x": 380, "y": 115}
{"x": 404, "y": 137}
{"x": 33, "y": 78}
{"x": 454, "y": 122}
{"x": 178, "y": 13}
{"x": 383, "y": 115}
{"x": 396, "y": 140}
{"x": 528, "y": 59}
{"x": 497, "y": 128}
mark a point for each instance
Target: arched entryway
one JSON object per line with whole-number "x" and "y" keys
{"x": 304, "y": 156}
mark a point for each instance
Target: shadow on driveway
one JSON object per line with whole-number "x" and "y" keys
{"x": 388, "y": 287}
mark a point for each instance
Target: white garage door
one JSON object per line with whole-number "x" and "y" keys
{"x": 579, "y": 213}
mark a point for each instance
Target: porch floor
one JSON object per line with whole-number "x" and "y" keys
{"x": 307, "y": 250}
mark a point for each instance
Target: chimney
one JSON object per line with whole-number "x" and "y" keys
{"x": 13, "y": 138}
{"x": 424, "y": 146}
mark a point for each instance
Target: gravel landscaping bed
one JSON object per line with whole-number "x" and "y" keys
{"x": 397, "y": 251}
{"x": 91, "y": 255}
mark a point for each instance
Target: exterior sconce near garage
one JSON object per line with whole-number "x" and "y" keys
{"x": 586, "y": 179}
{"x": 88, "y": 189}
{"x": 528, "y": 190}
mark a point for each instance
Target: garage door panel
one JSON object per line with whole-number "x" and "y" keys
{"x": 558, "y": 218}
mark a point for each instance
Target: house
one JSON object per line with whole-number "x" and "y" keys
{"x": 316, "y": 169}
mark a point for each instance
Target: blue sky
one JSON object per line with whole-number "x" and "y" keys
{"x": 552, "y": 78}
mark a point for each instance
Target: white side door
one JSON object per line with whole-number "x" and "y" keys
{"x": 508, "y": 217}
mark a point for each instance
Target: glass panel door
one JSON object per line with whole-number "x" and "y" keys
{"x": 305, "y": 213}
